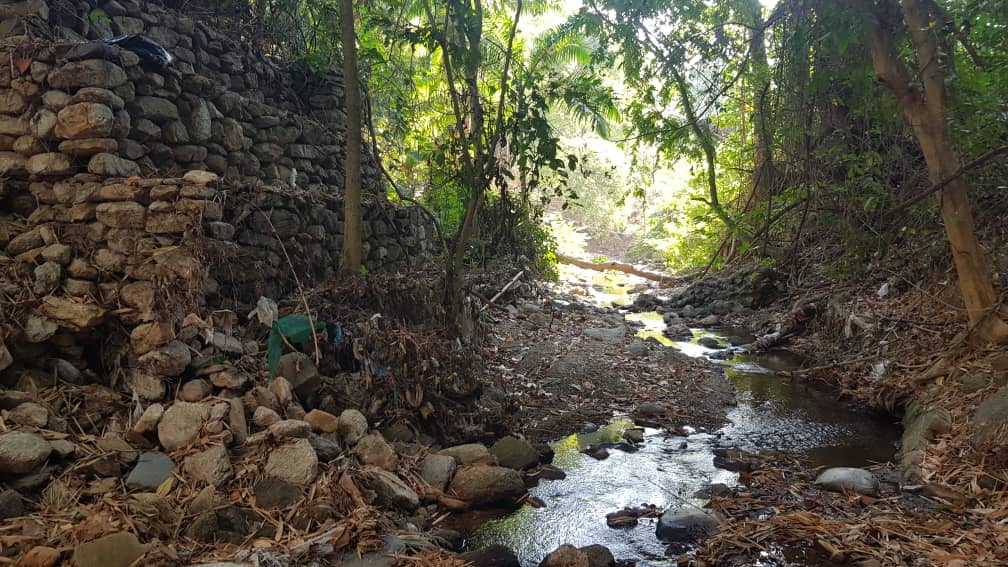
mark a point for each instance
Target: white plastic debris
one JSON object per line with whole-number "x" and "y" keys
{"x": 878, "y": 370}
{"x": 883, "y": 291}
{"x": 266, "y": 311}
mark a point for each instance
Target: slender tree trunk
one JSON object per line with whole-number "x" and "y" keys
{"x": 710, "y": 152}
{"x": 925, "y": 112}
{"x": 478, "y": 146}
{"x": 763, "y": 169}
{"x": 350, "y": 260}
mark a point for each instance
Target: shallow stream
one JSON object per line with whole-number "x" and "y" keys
{"x": 773, "y": 413}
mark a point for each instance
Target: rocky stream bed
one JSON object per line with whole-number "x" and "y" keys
{"x": 624, "y": 465}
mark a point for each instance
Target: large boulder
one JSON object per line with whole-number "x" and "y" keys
{"x": 686, "y": 525}
{"x": 515, "y": 453}
{"x": 487, "y": 484}
{"x": 22, "y": 452}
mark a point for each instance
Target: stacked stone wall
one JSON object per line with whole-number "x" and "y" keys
{"x": 70, "y": 103}
{"x": 98, "y": 272}
{"x": 105, "y": 247}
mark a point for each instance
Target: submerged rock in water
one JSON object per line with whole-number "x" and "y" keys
{"x": 686, "y": 525}
{"x": 848, "y": 479}
{"x": 634, "y": 435}
{"x": 710, "y": 342}
{"x": 677, "y": 331}
{"x": 714, "y": 490}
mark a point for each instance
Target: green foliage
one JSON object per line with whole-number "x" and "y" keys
{"x": 840, "y": 153}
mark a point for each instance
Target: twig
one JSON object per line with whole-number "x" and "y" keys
{"x": 846, "y": 362}
{"x": 297, "y": 280}
{"x": 958, "y": 173}
{"x": 501, "y": 292}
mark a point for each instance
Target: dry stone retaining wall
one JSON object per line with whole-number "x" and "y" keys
{"x": 104, "y": 246}
{"x": 68, "y": 105}
{"x": 98, "y": 272}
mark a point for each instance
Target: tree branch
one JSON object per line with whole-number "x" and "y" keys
{"x": 955, "y": 175}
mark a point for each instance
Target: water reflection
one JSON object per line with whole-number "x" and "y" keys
{"x": 654, "y": 326}
{"x": 772, "y": 413}
{"x": 662, "y": 472}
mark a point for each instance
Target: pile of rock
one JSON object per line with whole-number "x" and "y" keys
{"x": 217, "y": 440}
{"x": 95, "y": 253}
{"x": 721, "y": 294}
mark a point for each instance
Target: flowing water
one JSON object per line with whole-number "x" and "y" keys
{"x": 773, "y": 413}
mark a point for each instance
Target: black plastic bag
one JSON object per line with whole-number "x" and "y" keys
{"x": 150, "y": 52}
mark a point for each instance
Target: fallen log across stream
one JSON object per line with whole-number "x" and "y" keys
{"x": 618, "y": 266}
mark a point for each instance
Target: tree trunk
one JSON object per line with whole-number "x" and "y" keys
{"x": 619, "y": 267}
{"x": 925, "y": 112}
{"x": 763, "y": 169}
{"x": 710, "y": 152}
{"x": 350, "y": 260}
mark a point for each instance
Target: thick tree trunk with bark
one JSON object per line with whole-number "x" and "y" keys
{"x": 925, "y": 112}
{"x": 350, "y": 260}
